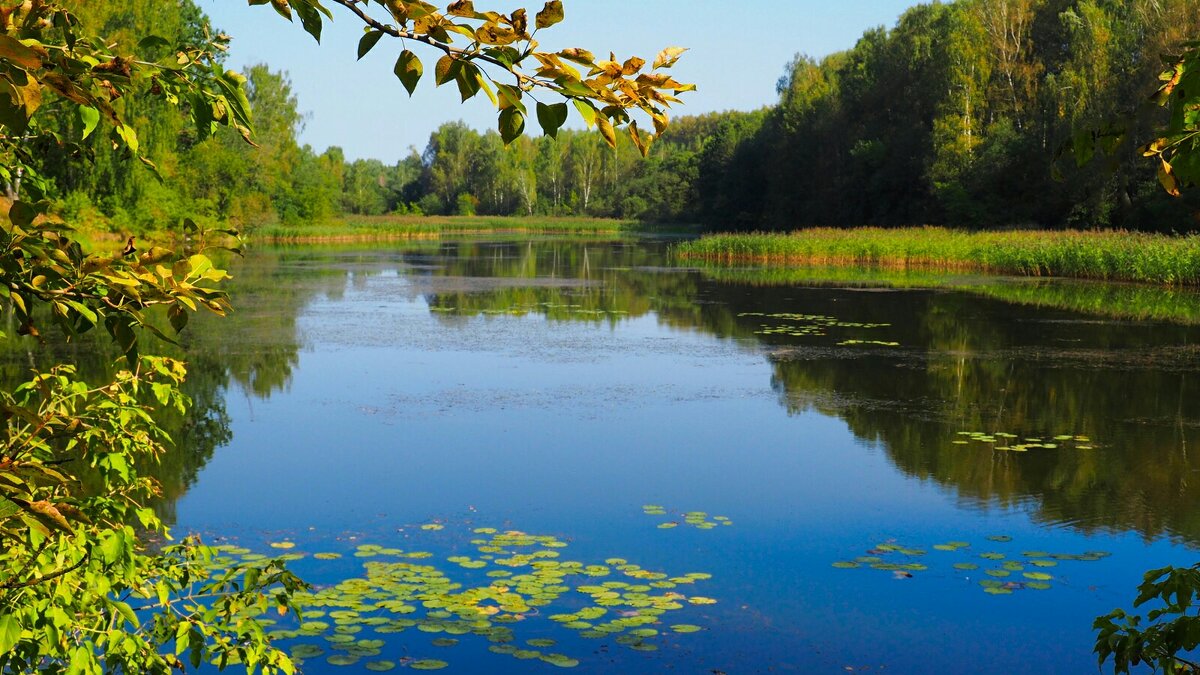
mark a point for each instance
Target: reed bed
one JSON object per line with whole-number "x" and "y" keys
{"x": 384, "y": 228}
{"x": 1106, "y": 255}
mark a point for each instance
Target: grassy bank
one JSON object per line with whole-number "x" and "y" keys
{"x": 385, "y": 228}
{"x": 1115, "y": 256}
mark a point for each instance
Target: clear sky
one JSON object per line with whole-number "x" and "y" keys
{"x": 738, "y": 51}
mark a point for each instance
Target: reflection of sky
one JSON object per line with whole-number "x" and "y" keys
{"x": 396, "y": 417}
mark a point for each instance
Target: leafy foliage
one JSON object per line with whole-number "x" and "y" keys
{"x": 80, "y": 590}
{"x": 603, "y": 93}
{"x": 1170, "y": 631}
{"x": 1178, "y": 150}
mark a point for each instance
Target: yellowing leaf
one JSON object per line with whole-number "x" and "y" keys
{"x": 607, "y": 131}
{"x": 667, "y": 57}
{"x": 551, "y": 14}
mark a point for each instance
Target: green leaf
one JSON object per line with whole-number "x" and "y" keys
{"x": 409, "y": 70}
{"x": 10, "y": 633}
{"x": 309, "y": 18}
{"x": 128, "y": 135}
{"x": 512, "y": 124}
{"x": 587, "y": 111}
{"x": 551, "y": 117}
{"x": 90, "y": 117}
{"x": 21, "y": 214}
{"x": 368, "y": 42}
{"x": 468, "y": 79}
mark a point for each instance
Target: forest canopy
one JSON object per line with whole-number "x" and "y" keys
{"x": 976, "y": 113}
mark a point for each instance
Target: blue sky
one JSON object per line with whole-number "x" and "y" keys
{"x": 738, "y": 51}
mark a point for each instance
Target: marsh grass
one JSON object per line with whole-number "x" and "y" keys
{"x": 1112, "y": 256}
{"x": 390, "y": 228}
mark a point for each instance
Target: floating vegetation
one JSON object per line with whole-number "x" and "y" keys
{"x": 514, "y": 578}
{"x": 810, "y": 325}
{"x": 1004, "y": 578}
{"x": 1008, "y": 442}
{"x": 869, "y": 343}
{"x": 697, "y": 519}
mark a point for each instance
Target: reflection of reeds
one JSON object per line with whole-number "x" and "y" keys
{"x": 1111, "y": 300}
{"x": 399, "y": 228}
{"x": 1118, "y": 256}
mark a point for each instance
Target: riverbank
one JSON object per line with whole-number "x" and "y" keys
{"x": 390, "y": 228}
{"x": 1110, "y": 256}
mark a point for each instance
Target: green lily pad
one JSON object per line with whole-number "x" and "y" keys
{"x": 342, "y": 660}
{"x": 307, "y": 651}
{"x": 327, "y": 556}
{"x": 686, "y": 628}
{"x": 1000, "y": 538}
{"x": 380, "y": 666}
{"x": 846, "y": 565}
{"x": 1038, "y": 576}
{"x": 560, "y": 660}
{"x": 283, "y": 544}
{"x": 428, "y": 664}
{"x": 966, "y": 566}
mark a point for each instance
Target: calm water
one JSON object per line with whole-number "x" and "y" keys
{"x": 557, "y": 388}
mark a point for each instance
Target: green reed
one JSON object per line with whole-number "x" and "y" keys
{"x": 1107, "y": 255}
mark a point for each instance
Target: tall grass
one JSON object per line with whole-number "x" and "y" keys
{"x": 1116, "y": 256}
{"x": 382, "y": 228}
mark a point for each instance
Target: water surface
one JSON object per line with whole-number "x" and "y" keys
{"x": 557, "y": 387}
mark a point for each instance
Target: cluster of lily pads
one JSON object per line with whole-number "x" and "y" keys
{"x": 1006, "y": 573}
{"x": 512, "y": 579}
{"x": 1008, "y": 442}
{"x": 867, "y": 343}
{"x": 804, "y": 325}
{"x": 524, "y": 310}
{"x": 697, "y": 519}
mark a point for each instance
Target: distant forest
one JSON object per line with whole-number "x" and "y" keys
{"x": 975, "y": 113}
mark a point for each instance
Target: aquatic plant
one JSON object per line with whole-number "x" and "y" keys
{"x": 1118, "y": 256}
{"x": 513, "y": 579}
{"x": 1007, "y": 573}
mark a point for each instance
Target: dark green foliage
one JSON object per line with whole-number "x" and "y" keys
{"x": 978, "y": 113}
{"x": 1170, "y": 632}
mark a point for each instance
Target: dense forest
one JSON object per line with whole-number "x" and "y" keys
{"x": 980, "y": 113}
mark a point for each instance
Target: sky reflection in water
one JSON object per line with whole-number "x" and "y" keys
{"x": 369, "y": 392}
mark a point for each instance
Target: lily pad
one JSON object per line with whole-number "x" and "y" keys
{"x": 307, "y": 651}
{"x": 342, "y": 660}
{"x": 428, "y": 664}
{"x": 560, "y": 660}
{"x": 380, "y": 666}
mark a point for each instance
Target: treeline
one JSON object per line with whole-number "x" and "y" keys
{"x": 223, "y": 180}
{"x": 980, "y": 113}
{"x": 976, "y": 113}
